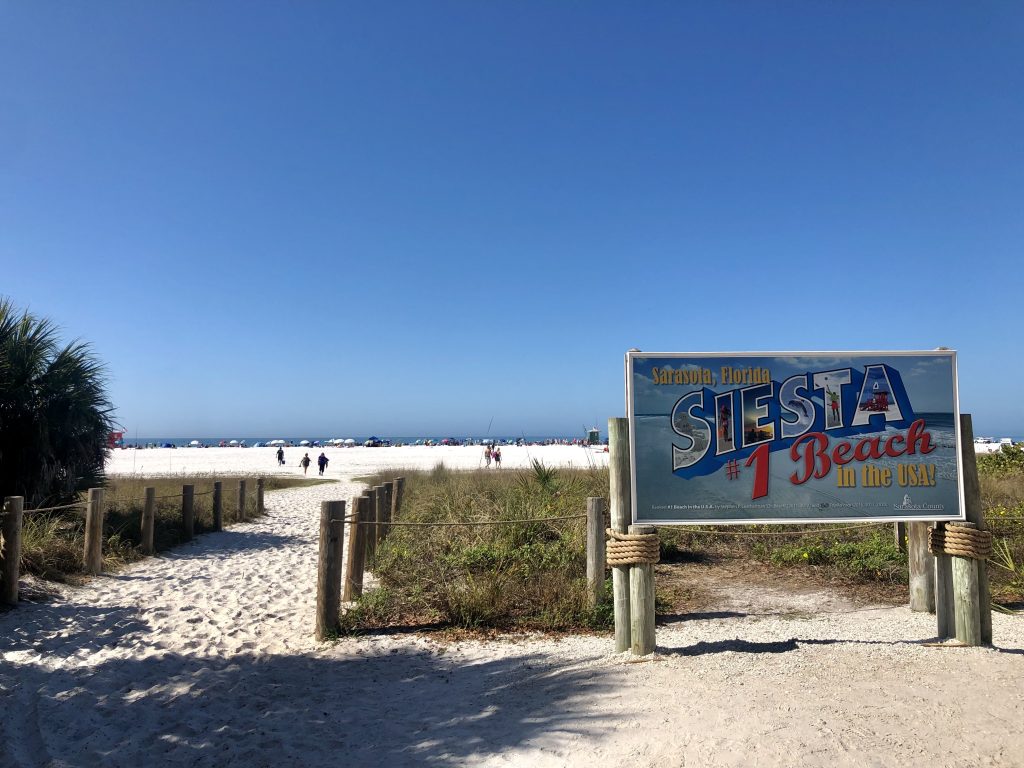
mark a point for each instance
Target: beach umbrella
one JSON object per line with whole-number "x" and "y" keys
{"x": 194, "y": 442}
{"x": 303, "y": 442}
{"x": 350, "y": 441}
{"x": 232, "y": 442}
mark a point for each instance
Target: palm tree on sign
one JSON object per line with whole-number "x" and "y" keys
{"x": 55, "y": 417}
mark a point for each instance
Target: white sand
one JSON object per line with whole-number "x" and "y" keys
{"x": 204, "y": 657}
{"x": 343, "y": 462}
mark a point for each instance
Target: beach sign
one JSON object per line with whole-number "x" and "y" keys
{"x": 795, "y": 437}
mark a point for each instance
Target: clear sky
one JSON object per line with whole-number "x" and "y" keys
{"x": 318, "y": 218}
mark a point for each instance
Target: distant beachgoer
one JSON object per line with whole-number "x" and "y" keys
{"x": 496, "y": 455}
{"x": 487, "y": 455}
{"x": 321, "y": 462}
{"x": 304, "y": 463}
{"x": 280, "y": 457}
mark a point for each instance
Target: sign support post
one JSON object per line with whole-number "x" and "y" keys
{"x": 964, "y": 581}
{"x": 621, "y": 517}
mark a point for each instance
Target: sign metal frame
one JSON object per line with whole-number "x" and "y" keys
{"x": 754, "y": 357}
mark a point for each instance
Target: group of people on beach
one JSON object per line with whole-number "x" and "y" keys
{"x": 305, "y": 461}
{"x": 492, "y": 454}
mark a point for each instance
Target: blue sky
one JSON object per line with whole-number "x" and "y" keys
{"x": 416, "y": 218}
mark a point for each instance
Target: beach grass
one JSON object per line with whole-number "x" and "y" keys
{"x": 53, "y": 542}
{"x": 531, "y": 575}
{"x": 527, "y": 572}
{"x": 870, "y": 554}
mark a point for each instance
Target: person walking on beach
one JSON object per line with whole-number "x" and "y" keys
{"x": 280, "y": 457}
{"x": 304, "y": 463}
{"x": 321, "y": 461}
{"x": 496, "y": 455}
{"x": 487, "y": 456}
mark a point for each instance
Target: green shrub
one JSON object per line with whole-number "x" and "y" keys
{"x": 874, "y": 557}
{"x": 1008, "y": 460}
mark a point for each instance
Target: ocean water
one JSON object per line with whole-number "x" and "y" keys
{"x": 183, "y": 442}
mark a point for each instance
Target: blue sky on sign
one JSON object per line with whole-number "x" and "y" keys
{"x": 438, "y": 218}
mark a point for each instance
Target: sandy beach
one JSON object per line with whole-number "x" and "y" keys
{"x": 343, "y": 462}
{"x": 204, "y": 656}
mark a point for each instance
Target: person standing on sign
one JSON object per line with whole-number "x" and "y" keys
{"x": 321, "y": 461}
{"x": 834, "y": 403}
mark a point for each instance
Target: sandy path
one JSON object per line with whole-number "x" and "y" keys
{"x": 205, "y": 657}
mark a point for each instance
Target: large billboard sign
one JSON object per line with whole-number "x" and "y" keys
{"x": 794, "y": 437}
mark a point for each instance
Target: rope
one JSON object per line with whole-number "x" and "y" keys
{"x": 63, "y": 506}
{"x": 961, "y": 541}
{"x": 472, "y": 522}
{"x": 632, "y": 548}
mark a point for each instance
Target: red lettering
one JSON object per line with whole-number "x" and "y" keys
{"x": 867, "y": 449}
{"x": 813, "y": 451}
{"x": 839, "y": 453}
{"x": 890, "y": 446}
{"x": 917, "y": 436}
{"x": 814, "y": 454}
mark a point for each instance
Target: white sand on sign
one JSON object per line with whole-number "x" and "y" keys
{"x": 204, "y": 656}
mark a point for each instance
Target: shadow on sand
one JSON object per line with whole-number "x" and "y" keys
{"x": 793, "y": 644}
{"x": 359, "y": 704}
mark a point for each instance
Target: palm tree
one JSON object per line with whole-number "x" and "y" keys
{"x": 54, "y": 413}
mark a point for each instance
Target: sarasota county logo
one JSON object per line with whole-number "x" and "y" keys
{"x": 909, "y": 506}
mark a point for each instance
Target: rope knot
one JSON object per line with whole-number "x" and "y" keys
{"x": 632, "y": 548}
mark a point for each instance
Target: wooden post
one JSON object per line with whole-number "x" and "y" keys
{"x": 945, "y": 615}
{"x": 328, "y": 579}
{"x": 622, "y": 516}
{"x": 379, "y": 502}
{"x": 975, "y": 514}
{"x": 188, "y": 511}
{"x": 218, "y": 505}
{"x": 148, "y": 522}
{"x": 899, "y": 531}
{"x": 356, "y": 551}
{"x": 10, "y": 548}
{"x": 922, "y": 569}
{"x": 396, "y": 500}
{"x": 371, "y": 517}
{"x": 595, "y": 549}
{"x": 966, "y": 597}
{"x": 260, "y": 507}
{"x": 92, "y": 559}
{"x": 641, "y": 601}
{"x": 389, "y": 500}
{"x": 241, "y": 501}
